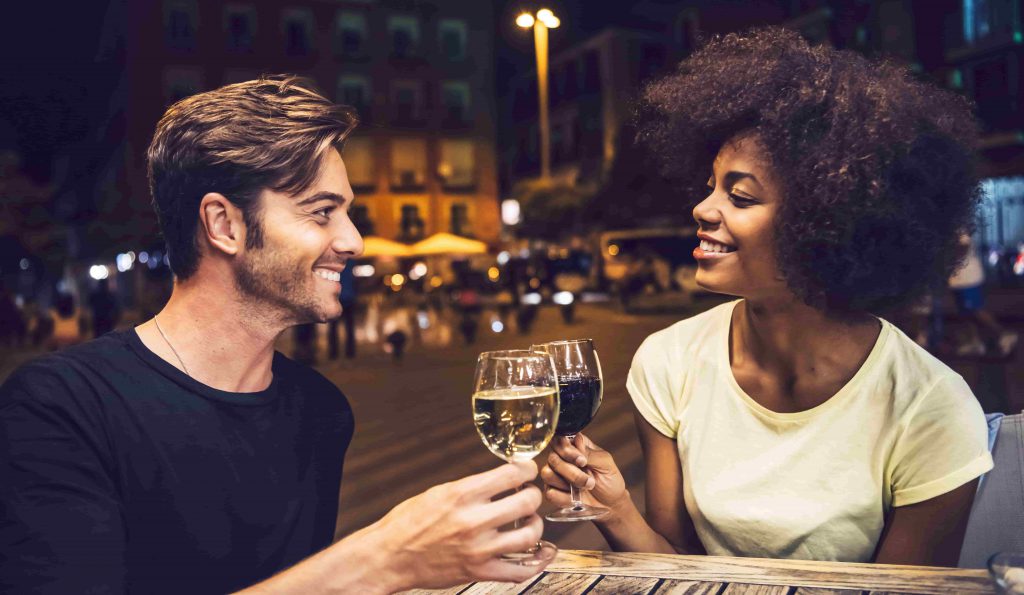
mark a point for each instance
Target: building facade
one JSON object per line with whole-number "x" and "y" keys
{"x": 418, "y": 73}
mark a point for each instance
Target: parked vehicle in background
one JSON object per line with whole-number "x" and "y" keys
{"x": 639, "y": 262}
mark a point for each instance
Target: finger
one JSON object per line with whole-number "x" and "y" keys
{"x": 570, "y": 472}
{"x": 501, "y": 479}
{"x": 500, "y": 570}
{"x": 516, "y": 540}
{"x": 552, "y": 479}
{"x": 516, "y": 506}
{"x": 557, "y": 497}
{"x": 568, "y": 451}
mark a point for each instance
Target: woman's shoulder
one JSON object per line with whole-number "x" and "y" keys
{"x": 699, "y": 333}
{"x": 918, "y": 377}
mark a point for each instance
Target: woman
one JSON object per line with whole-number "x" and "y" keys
{"x": 794, "y": 423}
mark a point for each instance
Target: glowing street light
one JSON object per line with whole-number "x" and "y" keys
{"x": 544, "y": 20}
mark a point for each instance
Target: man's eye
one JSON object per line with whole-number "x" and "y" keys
{"x": 324, "y": 212}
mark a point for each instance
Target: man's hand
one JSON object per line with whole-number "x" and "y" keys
{"x": 449, "y": 534}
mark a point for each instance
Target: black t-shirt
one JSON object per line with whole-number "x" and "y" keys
{"x": 120, "y": 473}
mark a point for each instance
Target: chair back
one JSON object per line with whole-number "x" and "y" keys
{"x": 996, "y": 523}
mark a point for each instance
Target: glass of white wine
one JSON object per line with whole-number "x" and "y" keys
{"x": 515, "y": 410}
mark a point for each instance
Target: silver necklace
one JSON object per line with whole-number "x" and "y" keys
{"x": 180, "y": 361}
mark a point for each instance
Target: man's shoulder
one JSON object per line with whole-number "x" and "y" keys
{"x": 62, "y": 368}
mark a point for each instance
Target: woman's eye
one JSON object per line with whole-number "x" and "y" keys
{"x": 740, "y": 201}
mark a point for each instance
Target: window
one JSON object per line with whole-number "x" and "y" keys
{"x": 591, "y": 72}
{"x": 404, "y": 32}
{"x": 354, "y": 90}
{"x": 457, "y": 168}
{"x": 360, "y": 216}
{"x": 358, "y": 156}
{"x": 350, "y": 34}
{"x": 459, "y": 220}
{"x": 179, "y": 83}
{"x": 455, "y": 99}
{"x": 408, "y": 163}
{"x": 984, "y": 19}
{"x": 406, "y": 98}
{"x": 453, "y": 39}
{"x": 239, "y": 27}
{"x": 298, "y": 31}
{"x": 411, "y": 223}
{"x": 180, "y": 17}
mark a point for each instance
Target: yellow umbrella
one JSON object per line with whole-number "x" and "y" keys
{"x": 377, "y": 246}
{"x": 446, "y": 243}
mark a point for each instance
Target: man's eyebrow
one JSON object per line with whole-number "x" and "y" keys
{"x": 322, "y": 195}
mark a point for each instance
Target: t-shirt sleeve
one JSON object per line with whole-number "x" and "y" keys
{"x": 944, "y": 444}
{"x": 61, "y": 529}
{"x": 647, "y": 384}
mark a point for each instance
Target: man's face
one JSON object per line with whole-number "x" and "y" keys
{"x": 307, "y": 240}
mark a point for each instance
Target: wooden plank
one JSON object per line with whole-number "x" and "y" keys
{"x": 626, "y": 585}
{"x": 563, "y": 583}
{"x": 495, "y": 588}
{"x": 449, "y": 591}
{"x": 688, "y": 588}
{"x": 752, "y": 589}
{"x": 924, "y": 580}
{"x": 823, "y": 591}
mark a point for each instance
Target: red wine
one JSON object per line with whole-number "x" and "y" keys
{"x": 579, "y": 399}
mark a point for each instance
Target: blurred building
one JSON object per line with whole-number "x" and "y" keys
{"x": 974, "y": 47}
{"x": 591, "y": 89}
{"x": 419, "y": 74}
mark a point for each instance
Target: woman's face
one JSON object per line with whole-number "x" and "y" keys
{"x": 736, "y": 255}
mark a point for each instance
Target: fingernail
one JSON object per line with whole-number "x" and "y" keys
{"x": 591, "y": 482}
{"x": 581, "y": 462}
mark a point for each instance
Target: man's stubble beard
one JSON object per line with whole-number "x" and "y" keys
{"x": 278, "y": 287}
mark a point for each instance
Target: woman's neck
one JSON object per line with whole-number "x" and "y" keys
{"x": 792, "y": 341}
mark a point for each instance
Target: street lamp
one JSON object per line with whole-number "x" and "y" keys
{"x": 544, "y": 20}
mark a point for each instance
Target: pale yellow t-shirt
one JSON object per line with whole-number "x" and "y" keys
{"x": 816, "y": 484}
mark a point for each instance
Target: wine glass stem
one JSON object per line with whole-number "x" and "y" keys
{"x": 575, "y": 492}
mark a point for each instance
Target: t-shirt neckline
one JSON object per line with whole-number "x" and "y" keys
{"x": 869, "y": 363}
{"x": 171, "y": 372}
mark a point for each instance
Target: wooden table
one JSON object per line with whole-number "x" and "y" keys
{"x": 599, "y": 573}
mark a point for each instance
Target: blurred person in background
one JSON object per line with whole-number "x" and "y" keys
{"x": 106, "y": 312}
{"x": 984, "y": 335}
{"x": 795, "y": 422}
{"x": 185, "y": 455}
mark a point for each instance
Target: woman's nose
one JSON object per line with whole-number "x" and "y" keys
{"x": 706, "y": 214}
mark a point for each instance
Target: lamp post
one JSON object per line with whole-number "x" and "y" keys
{"x": 544, "y": 20}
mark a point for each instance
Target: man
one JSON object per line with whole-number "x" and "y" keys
{"x": 185, "y": 455}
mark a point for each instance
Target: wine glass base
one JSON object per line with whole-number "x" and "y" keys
{"x": 574, "y": 514}
{"x": 541, "y": 553}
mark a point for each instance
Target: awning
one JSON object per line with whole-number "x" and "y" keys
{"x": 446, "y": 243}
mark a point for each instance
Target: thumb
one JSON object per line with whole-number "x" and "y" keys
{"x": 598, "y": 459}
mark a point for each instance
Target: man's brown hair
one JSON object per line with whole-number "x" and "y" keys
{"x": 238, "y": 140}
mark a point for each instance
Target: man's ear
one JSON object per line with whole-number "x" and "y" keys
{"x": 221, "y": 223}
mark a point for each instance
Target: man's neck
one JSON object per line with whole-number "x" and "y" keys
{"x": 214, "y": 336}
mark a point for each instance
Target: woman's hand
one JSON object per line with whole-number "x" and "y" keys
{"x": 589, "y": 467}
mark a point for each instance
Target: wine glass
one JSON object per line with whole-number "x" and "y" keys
{"x": 580, "y": 390}
{"x": 515, "y": 409}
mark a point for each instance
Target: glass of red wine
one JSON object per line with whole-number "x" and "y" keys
{"x": 580, "y": 389}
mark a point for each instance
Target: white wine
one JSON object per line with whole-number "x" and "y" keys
{"x": 516, "y": 423}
